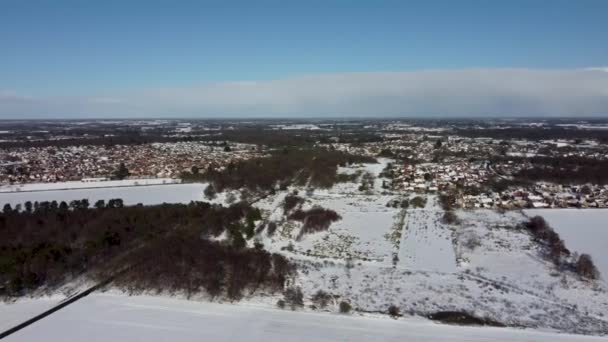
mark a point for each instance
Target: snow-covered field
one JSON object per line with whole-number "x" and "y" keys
{"x": 426, "y": 244}
{"x": 108, "y": 317}
{"x": 24, "y": 309}
{"x": 131, "y": 195}
{"x": 583, "y": 231}
{"x": 484, "y": 265}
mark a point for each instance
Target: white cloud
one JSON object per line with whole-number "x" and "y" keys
{"x": 465, "y": 92}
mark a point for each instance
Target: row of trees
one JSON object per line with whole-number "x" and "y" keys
{"x": 534, "y": 133}
{"x": 565, "y": 170}
{"x": 55, "y": 206}
{"x": 120, "y": 138}
{"x": 556, "y": 249}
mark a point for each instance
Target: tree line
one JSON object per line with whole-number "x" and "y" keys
{"x": 556, "y": 251}
{"x": 565, "y": 170}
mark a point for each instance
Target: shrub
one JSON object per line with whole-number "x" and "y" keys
{"x": 272, "y": 227}
{"x": 393, "y": 311}
{"x": 315, "y": 220}
{"x": 345, "y": 307}
{"x": 418, "y": 202}
{"x": 294, "y": 297}
{"x": 447, "y": 201}
{"x": 449, "y": 217}
{"x": 291, "y": 201}
{"x": 321, "y": 299}
{"x": 210, "y": 192}
{"x": 281, "y": 304}
{"x": 471, "y": 241}
{"x": 585, "y": 267}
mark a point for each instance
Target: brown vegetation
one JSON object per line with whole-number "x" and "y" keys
{"x": 556, "y": 249}
{"x": 313, "y": 167}
{"x": 315, "y": 220}
{"x": 165, "y": 247}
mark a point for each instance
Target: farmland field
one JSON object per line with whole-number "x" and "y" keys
{"x": 131, "y": 195}
{"x": 107, "y": 317}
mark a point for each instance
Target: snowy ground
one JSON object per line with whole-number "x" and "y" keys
{"x": 86, "y": 185}
{"x": 131, "y": 195}
{"x": 106, "y": 317}
{"x": 583, "y": 231}
{"x": 483, "y": 265}
{"x": 426, "y": 244}
{"x": 24, "y": 309}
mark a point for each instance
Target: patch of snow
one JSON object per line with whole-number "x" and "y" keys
{"x": 107, "y": 317}
{"x": 131, "y": 195}
{"x": 87, "y": 184}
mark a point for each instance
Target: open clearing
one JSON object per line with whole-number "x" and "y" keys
{"x": 107, "y": 317}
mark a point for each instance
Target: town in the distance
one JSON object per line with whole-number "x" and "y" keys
{"x": 496, "y": 222}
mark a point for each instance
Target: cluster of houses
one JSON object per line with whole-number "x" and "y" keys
{"x": 543, "y": 195}
{"x": 464, "y": 167}
{"x": 431, "y": 177}
{"x": 156, "y": 160}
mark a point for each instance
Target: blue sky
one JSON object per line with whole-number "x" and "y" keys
{"x": 104, "y": 49}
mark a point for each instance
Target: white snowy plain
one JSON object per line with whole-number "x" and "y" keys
{"x": 131, "y": 195}
{"x": 86, "y": 185}
{"x": 112, "y": 317}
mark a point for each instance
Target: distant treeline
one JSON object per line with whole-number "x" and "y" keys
{"x": 565, "y": 170}
{"x": 125, "y": 139}
{"x": 299, "y": 138}
{"x": 313, "y": 167}
{"x": 535, "y": 133}
{"x": 164, "y": 247}
{"x": 256, "y": 135}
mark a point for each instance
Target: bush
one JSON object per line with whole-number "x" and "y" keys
{"x": 471, "y": 241}
{"x": 291, "y": 201}
{"x": 272, "y": 227}
{"x": 345, "y": 307}
{"x": 294, "y": 297}
{"x": 449, "y": 218}
{"x": 393, "y": 311}
{"x": 281, "y": 304}
{"x": 585, "y": 267}
{"x": 418, "y": 202}
{"x": 210, "y": 192}
{"x": 447, "y": 201}
{"x": 321, "y": 299}
{"x": 315, "y": 220}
